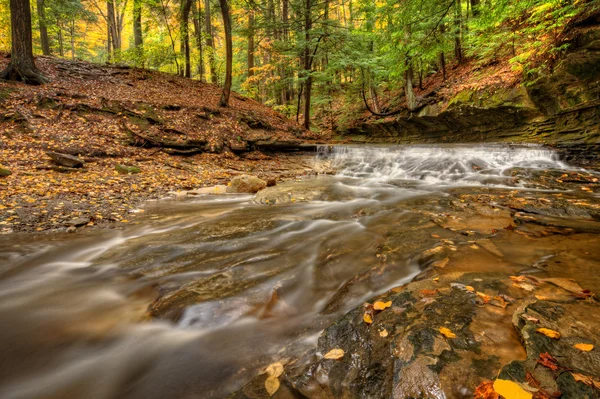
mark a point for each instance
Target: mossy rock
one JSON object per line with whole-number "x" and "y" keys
{"x": 5, "y": 172}
{"x": 127, "y": 169}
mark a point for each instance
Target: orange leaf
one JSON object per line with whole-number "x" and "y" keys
{"x": 447, "y": 333}
{"x": 584, "y": 347}
{"x": 334, "y": 354}
{"x": 382, "y": 305}
{"x": 367, "y": 318}
{"x": 549, "y": 333}
{"x": 547, "y": 360}
{"x": 485, "y": 390}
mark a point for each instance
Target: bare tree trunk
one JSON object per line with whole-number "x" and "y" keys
{"x": 209, "y": 43}
{"x": 443, "y": 65}
{"x": 307, "y": 63}
{"x": 198, "y": 31}
{"x": 61, "y": 45}
{"x": 411, "y": 99}
{"x": 22, "y": 65}
{"x": 250, "y": 43}
{"x": 475, "y": 8}
{"x": 224, "y": 102}
{"x": 72, "y": 33}
{"x": 44, "y": 39}
{"x": 185, "y": 37}
{"x": 458, "y": 54}
{"x": 138, "y": 40}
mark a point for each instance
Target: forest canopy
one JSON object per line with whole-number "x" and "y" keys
{"x": 296, "y": 55}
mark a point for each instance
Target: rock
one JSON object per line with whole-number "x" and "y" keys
{"x": 218, "y": 189}
{"x": 127, "y": 169}
{"x": 66, "y": 160}
{"x": 71, "y": 229}
{"x": 577, "y": 322}
{"x": 246, "y": 184}
{"x": 5, "y": 172}
{"x": 78, "y": 222}
{"x": 271, "y": 182}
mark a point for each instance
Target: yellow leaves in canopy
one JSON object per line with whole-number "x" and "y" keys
{"x": 334, "y": 354}
{"x": 382, "y": 305}
{"x": 447, "y": 332}
{"x": 511, "y": 390}
{"x": 549, "y": 333}
{"x": 584, "y": 347}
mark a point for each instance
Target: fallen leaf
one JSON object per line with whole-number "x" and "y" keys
{"x": 428, "y": 292}
{"x": 530, "y": 318}
{"x": 382, "y": 305}
{"x": 549, "y": 333}
{"x": 566, "y": 284}
{"x": 525, "y": 286}
{"x": 436, "y": 279}
{"x": 485, "y": 390}
{"x": 272, "y": 385}
{"x": 469, "y": 288}
{"x": 547, "y": 360}
{"x": 367, "y": 318}
{"x": 511, "y": 390}
{"x": 447, "y": 333}
{"x": 383, "y": 333}
{"x": 484, "y": 297}
{"x": 435, "y": 236}
{"x": 334, "y": 354}
{"x": 584, "y": 347}
{"x": 499, "y": 301}
{"x": 586, "y": 379}
{"x": 274, "y": 370}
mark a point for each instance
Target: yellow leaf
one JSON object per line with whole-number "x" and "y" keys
{"x": 584, "y": 347}
{"x": 549, "y": 333}
{"x": 367, "y": 318}
{"x": 275, "y": 369}
{"x": 383, "y": 333}
{"x": 334, "y": 354}
{"x": 272, "y": 385}
{"x": 469, "y": 288}
{"x": 447, "y": 333}
{"x": 511, "y": 390}
{"x": 382, "y": 305}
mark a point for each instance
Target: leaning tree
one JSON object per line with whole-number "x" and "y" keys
{"x": 22, "y": 66}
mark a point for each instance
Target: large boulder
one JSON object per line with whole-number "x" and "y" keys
{"x": 246, "y": 184}
{"x": 66, "y": 160}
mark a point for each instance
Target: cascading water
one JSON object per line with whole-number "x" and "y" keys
{"x": 451, "y": 164}
{"x": 238, "y": 284}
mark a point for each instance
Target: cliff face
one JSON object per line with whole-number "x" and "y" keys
{"x": 562, "y": 109}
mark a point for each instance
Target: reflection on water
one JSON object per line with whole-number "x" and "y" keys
{"x": 205, "y": 292}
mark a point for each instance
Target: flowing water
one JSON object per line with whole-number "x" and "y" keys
{"x": 202, "y": 293}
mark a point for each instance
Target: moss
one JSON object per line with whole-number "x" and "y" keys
{"x": 5, "y": 172}
{"x": 126, "y": 169}
{"x": 5, "y": 93}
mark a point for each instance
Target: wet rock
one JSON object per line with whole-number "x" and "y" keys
{"x": 66, "y": 160}
{"x": 218, "y": 189}
{"x": 577, "y": 322}
{"x": 5, "y": 172}
{"x": 78, "y": 222}
{"x": 127, "y": 169}
{"x": 246, "y": 184}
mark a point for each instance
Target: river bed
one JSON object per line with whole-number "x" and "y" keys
{"x": 205, "y": 292}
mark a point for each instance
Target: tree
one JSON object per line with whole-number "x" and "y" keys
{"x": 45, "y": 41}
{"x": 138, "y": 40}
{"x": 22, "y": 65}
{"x": 229, "y": 54}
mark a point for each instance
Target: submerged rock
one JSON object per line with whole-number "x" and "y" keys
{"x": 246, "y": 184}
{"x": 127, "y": 169}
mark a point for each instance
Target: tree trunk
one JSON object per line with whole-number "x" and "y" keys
{"x": 229, "y": 54}
{"x": 411, "y": 99}
{"x": 475, "y": 8}
{"x": 458, "y": 54}
{"x": 185, "y": 37}
{"x": 138, "y": 40}
{"x": 307, "y": 63}
{"x": 72, "y": 33}
{"x": 44, "y": 39}
{"x": 61, "y": 43}
{"x": 198, "y": 31}
{"x": 209, "y": 42}
{"x": 22, "y": 65}
{"x": 250, "y": 44}
{"x": 443, "y": 65}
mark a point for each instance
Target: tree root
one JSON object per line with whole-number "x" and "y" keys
{"x": 28, "y": 75}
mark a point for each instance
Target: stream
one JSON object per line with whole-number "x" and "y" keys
{"x": 205, "y": 292}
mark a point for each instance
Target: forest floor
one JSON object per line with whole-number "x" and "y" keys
{"x": 169, "y": 129}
